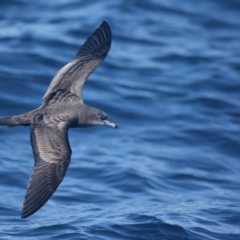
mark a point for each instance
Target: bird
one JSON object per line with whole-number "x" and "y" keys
{"x": 62, "y": 108}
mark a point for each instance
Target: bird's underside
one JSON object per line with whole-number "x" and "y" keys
{"x": 62, "y": 107}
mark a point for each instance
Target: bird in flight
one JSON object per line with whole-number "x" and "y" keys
{"x": 62, "y": 108}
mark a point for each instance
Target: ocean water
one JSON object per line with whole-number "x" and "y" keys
{"x": 171, "y": 82}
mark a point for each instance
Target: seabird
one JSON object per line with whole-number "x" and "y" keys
{"x": 62, "y": 108}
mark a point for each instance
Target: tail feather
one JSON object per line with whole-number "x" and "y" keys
{"x": 22, "y": 120}
{"x": 5, "y": 121}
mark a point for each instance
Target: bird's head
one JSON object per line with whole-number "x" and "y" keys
{"x": 100, "y": 118}
{"x": 89, "y": 116}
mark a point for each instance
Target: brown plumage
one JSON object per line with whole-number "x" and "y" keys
{"x": 61, "y": 109}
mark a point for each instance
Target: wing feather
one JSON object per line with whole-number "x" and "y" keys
{"x": 68, "y": 82}
{"x": 52, "y": 155}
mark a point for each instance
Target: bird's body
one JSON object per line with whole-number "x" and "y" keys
{"x": 77, "y": 115}
{"x": 62, "y": 108}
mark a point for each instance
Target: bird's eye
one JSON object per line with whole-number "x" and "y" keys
{"x": 103, "y": 117}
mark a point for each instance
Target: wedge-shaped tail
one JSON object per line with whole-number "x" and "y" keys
{"x": 22, "y": 120}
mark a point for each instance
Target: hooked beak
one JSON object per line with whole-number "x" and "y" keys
{"x": 106, "y": 122}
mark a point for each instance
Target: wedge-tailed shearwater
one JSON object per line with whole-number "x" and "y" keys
{"x": 62, "y": 108}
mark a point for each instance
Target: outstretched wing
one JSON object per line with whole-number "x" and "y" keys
{"x": 68, "y": 82}
{"x": 52, "y": 155}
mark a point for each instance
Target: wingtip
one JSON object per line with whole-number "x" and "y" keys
{"x": 105, "y": 23}
{"x": 98, "y": 42}
{"x": 105, "y": 28}
{"x": 25, "y": 214}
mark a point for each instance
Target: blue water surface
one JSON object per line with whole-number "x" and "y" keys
{"x": 171, "y": 81}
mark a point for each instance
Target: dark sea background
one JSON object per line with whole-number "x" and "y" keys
{"x": 171, "y": 82}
